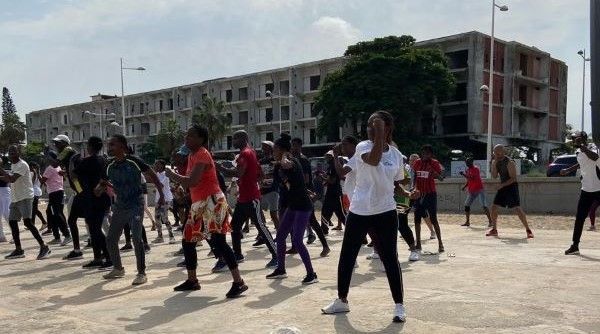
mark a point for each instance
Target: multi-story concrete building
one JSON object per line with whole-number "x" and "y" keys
{"x": 529, "y": 102}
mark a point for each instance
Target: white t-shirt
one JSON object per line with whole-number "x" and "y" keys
{"x": 589, "y": 179}
{"x": 22, "y": 188}
{"x": 37, "y": 186}
{"x": 374, "y": 190}
{"x": 350, "y": 182}
{"x": 164, "y": 180}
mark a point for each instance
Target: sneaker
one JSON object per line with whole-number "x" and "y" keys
{"x": 126, "y": 248}
{"x": 47, "y": 232}
{"x": 441, "y": 249}
{"x": 239, "y": 258}
{"x": 106, "y": 265}
{"x": 592, "y": 228}
{"x": 529, "y": 234}
{"x": 44, "y": 252}
{"x": 172, "y": 241}
{"x": 139, "y": 279}
{"x": 181, "y": 264}
{"x": 16, "y": 254}
{"x": 432, "y": 236}
{"x": 179, "y": 252}
{"x": 74, "y": 255}
{"x": 88, "y": 244}
{"x": 272, "y": 263}
{"x": 92, "y": 264}
{"x": 310, "y": 279}
{"x": 492, "y": 233}
{"x": 325, "y": 251}
{"x": 147, "y": 248}
{"x": 414, "y": 256}
{"x": 573, "y": 250}
{"x": 373, "y": 256}
{"x": 237, "y": 288}
{"x": 66, "y": 241}
{"x": 158, "y": 240}
{"x": 466, "y": 224}
{"x": 399, "y": 313}
{"x": 277, "y": 274}
{"x": 311, "y": 239}
{"x": 188, "y": 285}
{"x": 220, "y": 266}
{"x": 53, "y": 242}
{"x": 259, "y": 242}
{"x": 115, "y": 273}
{"x": 337, "y": 306}
{"x": 291, "y": 251}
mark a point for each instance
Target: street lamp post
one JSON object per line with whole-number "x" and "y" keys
{"x": 585, "y": 59}
{"x": 123, "y": 92}
{"x": 90, "y": 114}
{"x": 502, "y": 8}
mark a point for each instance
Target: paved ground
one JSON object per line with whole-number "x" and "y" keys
{"x": 503, "y": 285}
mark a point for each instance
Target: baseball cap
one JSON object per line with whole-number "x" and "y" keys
{"x": 183, "y": 151}
{"x": 268, "y": 142}
{"x": 63, "y": 138}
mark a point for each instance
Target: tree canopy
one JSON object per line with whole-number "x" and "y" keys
{"x": 387, "y": 73}
{"x": 212, "y": 115}
{"x": 12, "y": 130}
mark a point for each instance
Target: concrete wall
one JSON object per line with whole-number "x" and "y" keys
{"x": 538, "y": 195}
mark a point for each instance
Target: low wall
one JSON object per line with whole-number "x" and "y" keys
{"x": 538, "y": 194}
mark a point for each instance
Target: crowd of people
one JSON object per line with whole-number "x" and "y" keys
{"x": 370, "y": 187}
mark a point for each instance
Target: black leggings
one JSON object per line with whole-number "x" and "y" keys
{"x": 384, "y": 226}
{"x": 586, "y": 199}
{"x": 14, "y": 229}
{"x": 94, "y": 223}
{"x": 331, "y": 205}
{"x": 36, "y": 212}
{"x": 76, "y": 211}
{"x": 314, "y": 225}
{"x": 218, "y": 245}
{"x": 427, "y": 206}
{"x": 56, "y": 215}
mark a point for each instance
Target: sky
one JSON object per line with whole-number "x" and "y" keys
{"x": 58, "y": 52}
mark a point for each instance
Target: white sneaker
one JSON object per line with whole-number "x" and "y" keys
{"x": 373, "y": 256}
{"x": 140, "y": 279}
{"x": 66, "y": 241}
{"x": 414, "y": 256}
{"x": 337, "y": 306}
{"x": 399, "y": 313}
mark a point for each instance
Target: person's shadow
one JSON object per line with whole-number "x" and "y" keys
{"x": 589, "y": 258}
{"x": 343, "y": 325}
{"x": 173, "y": 307}
{"x": 279, "y": 294}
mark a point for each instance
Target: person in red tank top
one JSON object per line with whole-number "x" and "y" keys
{"x": 475, "y": 191}
{"x": 426, "y": 171}
{"x": 248, "y": 171}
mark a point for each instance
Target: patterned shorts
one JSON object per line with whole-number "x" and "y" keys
{"x": 208, "y": 216}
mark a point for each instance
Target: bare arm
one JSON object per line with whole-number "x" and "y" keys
{"x": 4, "y": 176}
{"x": 151, "y": 175}
{"x": 569, "y": 170}
{"x": 374, "y": 156}
{"x": 589, "y": 153}
{"x": 494, "y": 169}
{"x": 238, "y": 171}
{"x": 188, "y": 181}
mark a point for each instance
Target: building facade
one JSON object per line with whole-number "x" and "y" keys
{"x": 529, "y": 102}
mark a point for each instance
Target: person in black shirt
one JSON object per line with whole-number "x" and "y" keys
{"x": 296, "y": 206}
{"x": 332, "y": 202}
{"x": 296, "y": 152}
{"x": 90, "y": 171}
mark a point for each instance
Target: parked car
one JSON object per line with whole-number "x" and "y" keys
{"x": 561, "y": 162}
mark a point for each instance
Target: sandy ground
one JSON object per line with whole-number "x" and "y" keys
{"x": 480, "y": 285}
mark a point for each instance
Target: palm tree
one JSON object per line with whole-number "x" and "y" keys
{"x": 212, "y": 115}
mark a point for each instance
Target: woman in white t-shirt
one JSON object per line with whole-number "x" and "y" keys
{"x": 161, "y": 212}
{"x": 379, "y": 168}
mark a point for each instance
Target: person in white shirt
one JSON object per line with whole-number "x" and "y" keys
{"x": 4, "y": 201}
{"x": 379, "y": 170}
{"x": 21, "y": 203}
{"x": 587, "y": 161}
{"x": 161, "y": 212}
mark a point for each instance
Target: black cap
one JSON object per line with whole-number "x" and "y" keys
{"x": 578, "y": 134}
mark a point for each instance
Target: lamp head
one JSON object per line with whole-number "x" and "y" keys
{"x": 580, "y": 52}
{"x": 503, "y": 8}
{"x": 140, "y": 69}
{"x": 484, "y": 88}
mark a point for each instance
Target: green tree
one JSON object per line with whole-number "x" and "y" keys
{"x": 169, "y": 138}
{"x": 387, "y": 73}
{"x": 149, "y": 151}
{"x": 12, "y": 130}
{"x": 212, "y": 115}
